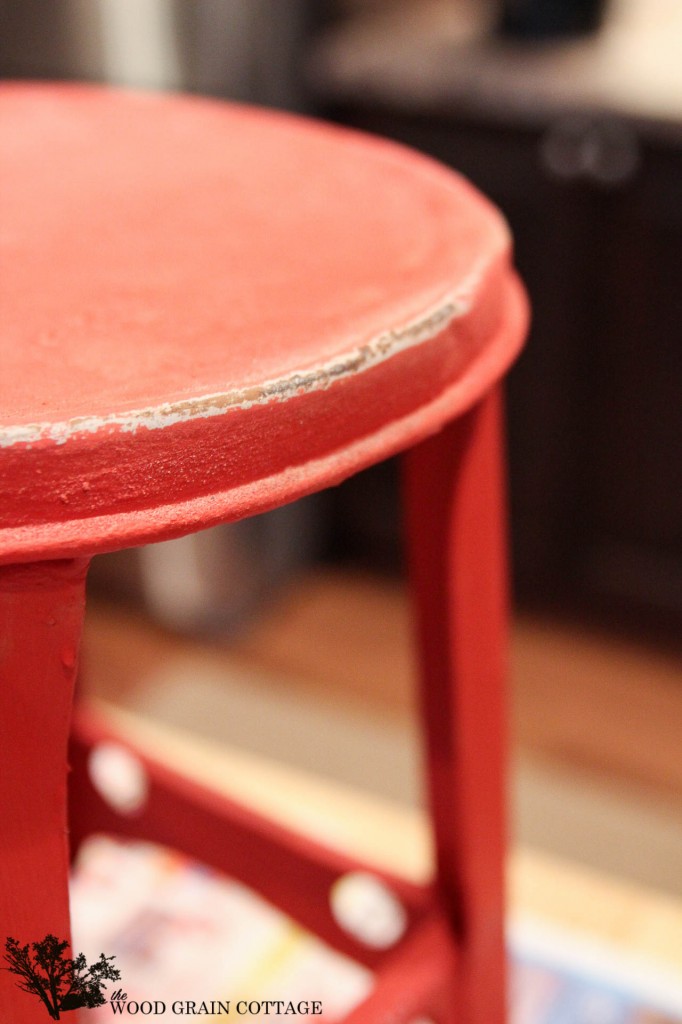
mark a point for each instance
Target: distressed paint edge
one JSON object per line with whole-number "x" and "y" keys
{"x": 101, "y": 533}
{"x": 364, "y": 357}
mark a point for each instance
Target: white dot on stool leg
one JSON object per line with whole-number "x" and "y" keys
{"x": 119, "y": 777}
{"x": 367, "y": 909}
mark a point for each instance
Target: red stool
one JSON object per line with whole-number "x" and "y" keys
{"x": 209, "y": 311}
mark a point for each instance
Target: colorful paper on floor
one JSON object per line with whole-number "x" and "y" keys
{"x": 183, "y": 935}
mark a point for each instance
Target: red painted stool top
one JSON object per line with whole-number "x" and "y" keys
{"x": 207, "y": 310}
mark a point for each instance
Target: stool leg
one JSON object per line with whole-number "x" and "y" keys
{"x": 41, "y": 613}
{"x": 454, "y": 505}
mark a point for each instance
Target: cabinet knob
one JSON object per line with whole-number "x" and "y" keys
{"x": 602, "y": 150}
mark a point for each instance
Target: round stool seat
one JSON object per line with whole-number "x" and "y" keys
{"x": 208, "y": 310}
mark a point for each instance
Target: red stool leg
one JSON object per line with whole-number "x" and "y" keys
{"x": 41, "y": 613}
{"x": 455, "y": 536}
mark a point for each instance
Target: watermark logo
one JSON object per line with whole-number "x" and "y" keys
{"x": 215, "y": 1008}
{"x": 59, "y": 981}
{"x": 157, "y": 1007}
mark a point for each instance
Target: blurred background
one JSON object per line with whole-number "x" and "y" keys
{"x": 288, "y": 635}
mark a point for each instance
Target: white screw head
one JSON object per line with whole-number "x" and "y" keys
{"x": 119, "y": 777}
{"x": 367, "y": 909}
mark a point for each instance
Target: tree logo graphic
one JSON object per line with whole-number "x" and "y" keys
{"x": 60, "y": 982}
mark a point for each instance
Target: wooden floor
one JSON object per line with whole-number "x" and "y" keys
{"x": 636, "y": 925}
{"x": 597, "y": 720}
{"x": 593, "y": 702}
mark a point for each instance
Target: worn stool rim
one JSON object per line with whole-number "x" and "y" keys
{"x": 83, "y": 483}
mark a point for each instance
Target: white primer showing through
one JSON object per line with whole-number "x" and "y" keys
{"x": 358, "y": 360}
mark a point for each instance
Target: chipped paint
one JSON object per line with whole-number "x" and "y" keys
{"x": 384, "y": 346}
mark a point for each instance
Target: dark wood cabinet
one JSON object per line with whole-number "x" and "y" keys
{"x": 594, "y": 201}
